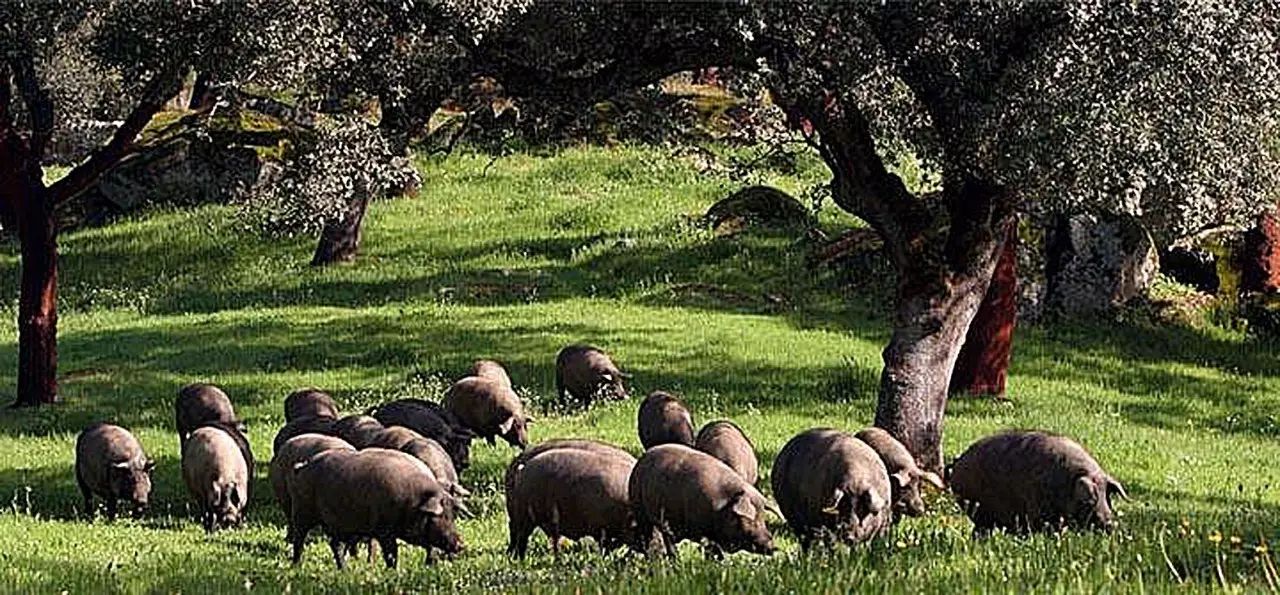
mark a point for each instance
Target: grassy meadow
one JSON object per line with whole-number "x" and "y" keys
{"x": 514, "y": 258}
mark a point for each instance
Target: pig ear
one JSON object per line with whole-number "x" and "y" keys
{"x": 433, "y": 506}
{"x": 1114, "y": 488}
{"x": 901, "y": 479}
{"x": 773, "y": 508}
{"x": 1084, "y": 489}
{"x": 834, "y": 507}
{"x": 506, "y": 426}
{"x": 743, "y": 507}
{"x": 932, "y": 479}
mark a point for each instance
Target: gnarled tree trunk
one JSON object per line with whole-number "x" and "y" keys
{"x": 983, "y": 364}
{"x": 340, "y": 239}
{"x": 28, "y": 205}
{"x": 944, "y": 251}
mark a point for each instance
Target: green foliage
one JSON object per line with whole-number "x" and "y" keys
{"x": 491, "y": 260}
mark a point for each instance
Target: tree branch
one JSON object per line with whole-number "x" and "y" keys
{"x": 163, "y": 86}
{"x": 861, "y": 184}
{"x": 36, "y": 98}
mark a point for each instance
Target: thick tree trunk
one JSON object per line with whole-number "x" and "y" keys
{"x": 944, "y": 250}
{"x": 340, "y": 240}
{"x": 983, "y": 364}
{"x": 928, "y": 332}
{"x": 38, "y": 302}
{"x": 939, "y": 293}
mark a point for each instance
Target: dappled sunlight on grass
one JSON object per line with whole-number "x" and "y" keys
{"x": 513, "y": 260}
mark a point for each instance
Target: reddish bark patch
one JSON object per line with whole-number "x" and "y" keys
{"x": 983, "y": 365}
{"x": 1261, "y": 270}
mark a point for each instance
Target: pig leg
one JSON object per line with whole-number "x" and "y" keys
{"x": 87, "y": 493}
{"x": 299, "y": 542}
{"x": 519, "y": 543}
{"x": 299, "y": 527}
{"x": 806, "y": 540}
{"x": 390, "y": 551}
{"x": 713, "y": 551}
{"x": 669, "y": 541}
{"x": 339, "y": 552}
{"x": 112, "y": 508}
{"x": 560, "y": 393}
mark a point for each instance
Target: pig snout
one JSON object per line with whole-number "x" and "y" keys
{"x": 911, "y": 504}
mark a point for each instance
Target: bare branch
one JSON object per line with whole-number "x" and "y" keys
{"x": 163, "y": 85}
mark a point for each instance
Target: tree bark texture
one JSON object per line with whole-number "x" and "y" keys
{"x": 944, "y": 250}
{"x": 1261, "y": 270}
{"x": 983, "y": 364}
{"x": 38, "y": 301}
{"x": 340, "y": 239}
{"x": 28, "y": 206}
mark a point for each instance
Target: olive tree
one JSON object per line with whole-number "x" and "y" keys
{"x": 406, "y": 57}
{"x": 67, "y": 67}
{"x": 1162, "y": 110}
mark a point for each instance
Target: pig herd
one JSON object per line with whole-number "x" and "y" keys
{"x": 392, "y": 475}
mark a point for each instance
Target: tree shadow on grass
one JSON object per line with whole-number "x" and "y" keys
{"x": 51, "y": 492}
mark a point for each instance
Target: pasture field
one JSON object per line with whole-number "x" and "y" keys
{"x": 515, "y": 258}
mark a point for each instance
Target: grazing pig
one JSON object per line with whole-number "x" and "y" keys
{"x": 724, "y": 440}
{"x": 426, "y": 450}
{"x": 309, "y": 402}
{"x": 110, "y": 464}
{"x": 217, "y": 476}
{"x": 663, "y": 419}
{"x": 557, "y": 444}
{"x": 487, "y": 368}
{"x": 294, "y": 451}
{"x": 359, "y": 430}
{"x": 830, "y": 484}
{"x": 572, "y": 493}
{"x": 374, "y": 493}
{"x": 587, "y": 373}
{"x": 489, "y": 408}
{"x": 1026, "y": 481}
{"x": 198, "y": 404}
{"x": 680, "y": 493}
{"x": 304, "y": 425}
{"x": 905, "y": 476}
{"x": 432, "y": 421}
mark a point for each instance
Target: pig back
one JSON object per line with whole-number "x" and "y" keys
{"x": 726, "y": 441}
{"x": 585, "y": 491}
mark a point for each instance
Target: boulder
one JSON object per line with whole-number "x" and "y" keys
{"x": 757, "y": 205}
{"x": 1097, "y": 262}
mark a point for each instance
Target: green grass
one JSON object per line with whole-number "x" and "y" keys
{"x": 516, "y": 259}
